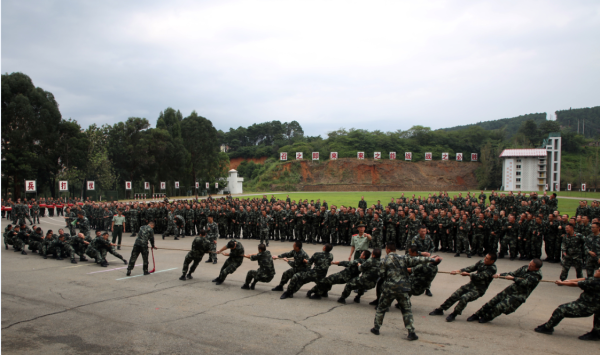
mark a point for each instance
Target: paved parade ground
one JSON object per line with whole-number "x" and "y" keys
{"x": 55, "y": 307}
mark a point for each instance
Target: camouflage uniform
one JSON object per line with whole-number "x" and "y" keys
{"x": 480, "y": 230}
{"x": 235, "y": 259}
{"x": 513, "y": 296}
{"x": 462, "y": 237}
{"x": 586, "y": 305}
{"x": 266, "y": 269}
{"x": 509, "y": 240}
{"x": 367, "y": 280}
{"x": 134, "y": 215}
{"x": 376, "y": 227}
{"x": 200, "y": 246}
{"x": 189, "y": 222}
{"x": 79, "y": 247}
{"x": 35, "y": 241}
{"x": 536, "y": 233}
{"x": 298, "y": 265}
{"x": 351, "y": 271}
{"x": 84, "y": 226}
{"x": 481, "y": 278}
{"x": 331, "y": 233}
{"x": 397, "y": 286}
{"x": 422, "y": 244}
{"x": 21, "y": 239}
{"x": 592, "y": 243}
{"x": 390, "y": 231}
{"x": 575, "y": 248}
{"x": 212, "y": 235}
{"x": 145, "y": 235}
{"x": 421, "y": 278}
{"x": 320, "y": 262}
{"x": 263, "y": 224}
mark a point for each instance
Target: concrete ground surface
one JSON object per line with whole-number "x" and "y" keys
{"x": 55, "y": 307}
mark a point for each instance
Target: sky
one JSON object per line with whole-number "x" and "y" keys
{"x": 376, "y": 65}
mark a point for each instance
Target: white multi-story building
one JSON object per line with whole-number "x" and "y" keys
{"x": 553, "y": 146}
{"x": 533, "y": 169}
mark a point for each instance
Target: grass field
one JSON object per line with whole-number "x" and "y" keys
{"x": 351, "y": 198}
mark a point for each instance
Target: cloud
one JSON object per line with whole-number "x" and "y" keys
{"x": 383, "y": 65}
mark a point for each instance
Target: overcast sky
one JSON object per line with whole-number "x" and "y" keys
{"x": 383, "y": 65}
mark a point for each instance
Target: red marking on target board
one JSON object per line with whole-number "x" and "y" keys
{"x": 445, "y": 156}
{"x": 298, "y": 156}
{"x": 333, "y": 156}
{"x": 282, "y": 156}
{"x": 392, "y": 155}
{"x": 473, "y": 156}
{"x": 377, "y": 155}
{"x": 315, "y": 156}
{"x": 459, "y": 156}
{"x": 360, "y": 155}
{"x": 428, "y": 156}
{"x": 408, "y": 156}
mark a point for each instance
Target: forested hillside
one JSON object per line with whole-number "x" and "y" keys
{"x": 587, "y": 118}
{"x": 509, "y": 125}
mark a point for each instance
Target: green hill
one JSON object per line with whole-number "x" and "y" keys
{"x": 510, "y": 125}
{"x": 588, "y": 117}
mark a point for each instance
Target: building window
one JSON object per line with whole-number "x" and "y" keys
{"x": 555, "y": 156}
{"x": 518, "y": 160}
{"x": 556, "y": 144}
{"x": 555, "y": 166}
{"x": 555, "y": 176}
{"x": 518, "y": 186}
{"x": 518, "y": 166}
{"x": 518, "y": 179}
{"x": 518, "y": 173}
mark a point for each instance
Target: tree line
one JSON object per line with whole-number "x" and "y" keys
{"x": 39, "y": 144}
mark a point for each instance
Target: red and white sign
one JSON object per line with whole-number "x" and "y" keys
{"x": 546, "y": 187}
{"x": 146, "y": 185}
{"x": 197, "y": 185}
{"x": 445, "y": 156}
{"x": 333, "y": 156}
{"x": 556, "y": 187}
{"x": 91, "y": 185}
{"x": 377, "y": 155}
{"x": 428, "y": 156}
{"x": 63, "y": 186}
{"x": 582, "y": 187}
{"x": 360, "y": 155}
{"x": 30, "y": 185}
{"x": 282, "y": 156}
{"x": 127, "y": 185}
{"x": 392, "y": 155}
{"x": 207, "y": 185}
{"x": 459, "y": 156}
{"x": 176, "y": 184}
{"x": 568, "y": 187}
{"x": 216, "y": 185}
{"x": 315, "y": 156}
{"x": 473, "y": 156}
{"x": 298, "y": 155}
{"x": 407, "y": 156}
{"x": 163, "y": 185}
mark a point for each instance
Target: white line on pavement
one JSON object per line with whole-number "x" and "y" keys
{"x": 156, "y": 272}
